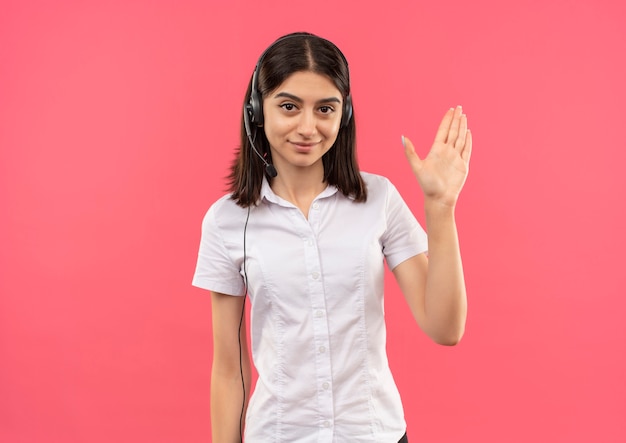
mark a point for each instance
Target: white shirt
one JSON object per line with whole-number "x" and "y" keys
{"x": 317, "y": 318}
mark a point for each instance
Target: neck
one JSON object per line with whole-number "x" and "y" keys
{"x": 299, "y": 185}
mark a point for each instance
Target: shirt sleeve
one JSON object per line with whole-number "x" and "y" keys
{"x": 216, "y": 270}
{"x": 404, "y": 237}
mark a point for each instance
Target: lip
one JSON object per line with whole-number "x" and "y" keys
{"x": 303, "y": 146}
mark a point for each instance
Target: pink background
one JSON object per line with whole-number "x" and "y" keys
{"x": 118, "y": 121}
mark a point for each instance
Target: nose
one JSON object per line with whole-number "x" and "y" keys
{"x": 307, "y": 124}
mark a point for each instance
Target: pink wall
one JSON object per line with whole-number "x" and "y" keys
{"x": 118, "y": 121}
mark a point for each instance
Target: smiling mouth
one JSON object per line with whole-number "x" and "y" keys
{"x": 304, "y": 144}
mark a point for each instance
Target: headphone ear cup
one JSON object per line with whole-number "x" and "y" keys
{"x": 255, "y": 104}
{"x": 347, "y": 111}
{"x": 256, "y": 110}
{"x": 248, "y": 119}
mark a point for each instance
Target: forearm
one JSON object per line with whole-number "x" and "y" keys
{"x": 227, "y": 401}
{"x": 445, "y": 302}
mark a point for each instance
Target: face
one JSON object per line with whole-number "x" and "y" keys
{"x": 301, "y": 120}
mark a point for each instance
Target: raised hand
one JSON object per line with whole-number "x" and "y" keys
{"x": 442, "y": 173}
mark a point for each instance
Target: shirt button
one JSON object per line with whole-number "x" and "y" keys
{"x": 315, "y": 275}
{"x": 319, "y": 313}
{"x": 309, "y": 242}
{"x": 322, "y": 349}
{"x": 316, "y": 205}
{"x": 326, "y": 424}
{"x": 325, "y": 385}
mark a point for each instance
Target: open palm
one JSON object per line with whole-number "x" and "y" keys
{"x": 442, "y": 173}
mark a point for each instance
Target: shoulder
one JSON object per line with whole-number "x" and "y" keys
{"x": 226, "y": 204}
{"x": 382, "y": 193}
{"x": 375, "y": 180}
{"x": 224, "y": 212}
{"x": 377, "y": 185}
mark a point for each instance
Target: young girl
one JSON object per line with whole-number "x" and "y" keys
{"x": 305, "y": 235}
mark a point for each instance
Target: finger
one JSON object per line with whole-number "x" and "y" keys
{"x": 466, "y": 153}
{"x": 453, "y": 133}
{"x": 460, "y": 139}
{"x": 444, "y": 126}
{"x": 409, "y": 151}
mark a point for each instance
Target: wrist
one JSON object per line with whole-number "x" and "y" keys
{"x": 439, "y": 207}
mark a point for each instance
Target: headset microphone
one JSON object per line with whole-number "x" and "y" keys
{"x": 269, "y": 168}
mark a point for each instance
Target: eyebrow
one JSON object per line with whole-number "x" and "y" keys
{"x": 299, "y": 100}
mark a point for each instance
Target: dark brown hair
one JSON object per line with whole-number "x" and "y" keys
{"x": 287, "y": 55}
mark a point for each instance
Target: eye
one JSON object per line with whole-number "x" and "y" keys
{"x": 326, "y": 109}
{"x": 288, "y": 106}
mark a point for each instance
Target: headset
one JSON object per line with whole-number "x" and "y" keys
{"x": 253, "y": 110}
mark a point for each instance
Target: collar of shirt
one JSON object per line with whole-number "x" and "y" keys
{"x": 268, "y": 194}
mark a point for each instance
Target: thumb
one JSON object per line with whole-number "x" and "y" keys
{"x": 409, "y": 151}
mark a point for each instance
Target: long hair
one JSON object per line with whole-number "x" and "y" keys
{"x": 289, "y": 54}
